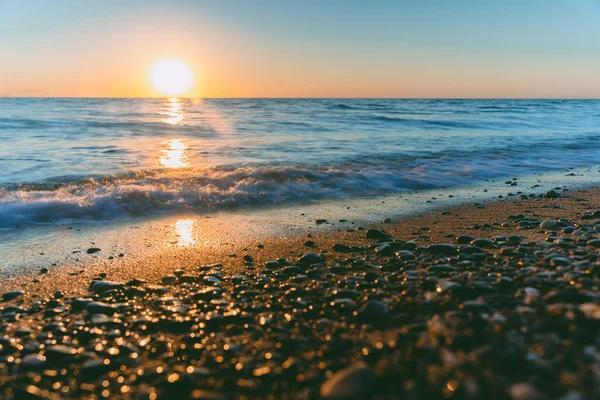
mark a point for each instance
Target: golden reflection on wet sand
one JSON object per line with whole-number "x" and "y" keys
{"x": 184, "y": 230}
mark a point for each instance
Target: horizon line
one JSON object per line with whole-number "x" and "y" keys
{"x": 297, "y": 98}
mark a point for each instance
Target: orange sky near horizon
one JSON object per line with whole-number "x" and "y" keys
{"x": 270, "y": 49}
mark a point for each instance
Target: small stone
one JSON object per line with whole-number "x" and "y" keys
{"x": 80, "y": 303}
{"x": 99, "y": 319}
{"x": 441, "y": 268}
{"x": 483, "y": 243}
{"x": 272, "y": 264}
{"x": 60, "y": 353}
{"x": 548, "y": 224}
{"x": 405, "y": 255}
{"x": 475, "y": 306}
{"x": 376, "y": 234}
{"x": 442, "y": 248}
{"x": 168, "y": 279}
{"x": 594, "y": 243}
{"x": 353, "y": 382}
{"x": 524, "y": 391}
{"x": 311, "y": 259}
{"x": 98, "y": 307}
{"x": 12, "y": 295}
{"x": 93, "y": 367}
{"x": 464, "y": 239}
{"x": 33, "y": 362}
{"x": 590, "y": 310}
{"x": 410, "y": 245}
{"x": 447, "y": 286}
{"x": 93, "y": 250}
{"x": 342, "y": 248}
{"x": 384, "y": 249}
{"x": 569, "y": 296}
{"x": 374, "y": 310}
{"x": 104, "y": 286}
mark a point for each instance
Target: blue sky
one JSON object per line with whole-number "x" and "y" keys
{"x": 310, "y": 48}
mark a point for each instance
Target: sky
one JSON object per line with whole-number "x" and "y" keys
{"x": 308, "y": 48}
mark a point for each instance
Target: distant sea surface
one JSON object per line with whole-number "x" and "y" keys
{"x": 65, "y": 160}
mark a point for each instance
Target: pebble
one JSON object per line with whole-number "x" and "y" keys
{"x": 33, "y": 362}
{"x": 60, "y": 353}
{"x": 99, "y": 319}
{"x": 590, "y": 310}
{"x": 311, "y": 259}
{"x": 353, "y": 382}
{"x": 12, "y": 295}
{"x": 524, "y": 391}
{"x": 343, "y": 248}
{"x": 443, "y": 248}
{"x": 402, "y": 317}
{"x": 384, "y": 249}
{"x": 104, "y": 286}
{"x": 376, "y": 234}
{"x": 548, "y": 224}
{"x": 98, "y": 307}
{"x": 483, "y": 243}
{"x": 464, "y": 239}
{"x": 374, "y": 310}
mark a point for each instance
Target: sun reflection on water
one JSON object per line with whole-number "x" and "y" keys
{"x": 174, "y": 156}
{"x": 184, "y": 230}
{"x": 174, "y": 111}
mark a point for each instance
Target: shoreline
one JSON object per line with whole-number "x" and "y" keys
{"x": 55, "y": 245}
{"x": 399, "y": 309}
{"x": 233, "y": 250}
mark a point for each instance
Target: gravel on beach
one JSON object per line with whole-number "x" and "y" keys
{"x": 494, "y": 301}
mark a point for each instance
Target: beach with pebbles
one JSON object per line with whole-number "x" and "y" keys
{"x": 499, "y": 300}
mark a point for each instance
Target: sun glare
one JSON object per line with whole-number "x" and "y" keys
{"x": 171, "y": 77}
{"x": 174, "y": 156}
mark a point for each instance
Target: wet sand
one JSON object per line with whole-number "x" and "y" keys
{"x": 477, "y": 301}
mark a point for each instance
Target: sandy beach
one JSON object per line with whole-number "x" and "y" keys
{"x": 494, "y": 300}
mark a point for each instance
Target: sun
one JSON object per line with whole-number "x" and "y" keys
{"x": 171, "y": 77}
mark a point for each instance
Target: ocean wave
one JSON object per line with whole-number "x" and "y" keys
{"x": 440, "y": 124}
{"x": 98, "y": 198}
{"x": 132, "y": 127}
{"x": 24, "y": 123}
{"x": 211, "y": 188}
{"x": 344, "y": 107}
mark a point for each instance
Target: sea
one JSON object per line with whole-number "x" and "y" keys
{"x": 101, "y": 164}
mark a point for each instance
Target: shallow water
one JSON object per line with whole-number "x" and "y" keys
{"x": 76, "y": 160}
{"x": 27, "y": 248}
